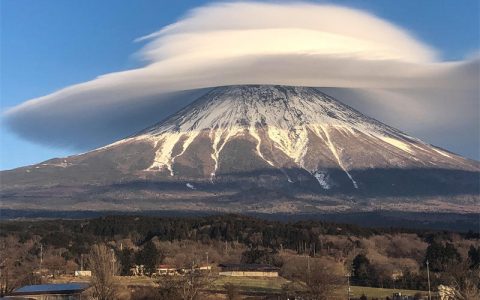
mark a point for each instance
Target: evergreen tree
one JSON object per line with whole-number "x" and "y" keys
{"x": 361, "y": 269}
{"x": 440, "y": 257}
{"x": 474, "y": 257}
{"x": 149, "y": 256}
{"x": 256, "y": 256}
{"x": 127, "y": 261}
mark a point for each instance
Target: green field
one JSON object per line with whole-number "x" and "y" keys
{"x": 274, "y": 285}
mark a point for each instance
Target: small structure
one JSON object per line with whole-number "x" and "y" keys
{"x": 137, "y": 270}
{"x": 396, "y": 275}
{"x": 254, "y": 270}
{"x": 83, "y": 273}
{"x": 446, "y": 292}
{"x": 204, "y": 268}
{"x": 58, "y": 291}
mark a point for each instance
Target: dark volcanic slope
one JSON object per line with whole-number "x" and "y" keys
{"x": 255, "y": 148}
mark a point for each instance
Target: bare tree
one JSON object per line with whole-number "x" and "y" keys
{"x": 55, "y": 264}
{"x": 313, "y": 281}
{"x": 192, "y": 283}
{"x": 464, "y": 282}
{"x": 168, "y": 287}
{"x": 320, "y": 284}
{"x": 102, "y": 263}
{"x": 232, "y": 291}
{"x": 186, "y": 287}
{"x": 17, "y": 265}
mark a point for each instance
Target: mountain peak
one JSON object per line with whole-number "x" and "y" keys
{"x": 259, "y": 105}
{"x": 288, "y": 124}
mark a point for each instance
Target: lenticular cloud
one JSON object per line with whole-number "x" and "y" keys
{"x": 253, "y": 43}
{"x": 239, "y": 29}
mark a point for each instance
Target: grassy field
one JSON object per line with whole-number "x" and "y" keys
{"x": 274, "y": 285}
{"x": 357, "y": 291}
{"x": 252, "y": 284}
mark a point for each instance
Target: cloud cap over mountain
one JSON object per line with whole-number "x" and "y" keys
{"x": 264, "y": 43}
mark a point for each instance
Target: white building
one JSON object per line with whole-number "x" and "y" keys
{"x": 248, "y": 270}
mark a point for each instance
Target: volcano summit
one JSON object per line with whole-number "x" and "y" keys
{"x": 255, "y": 148}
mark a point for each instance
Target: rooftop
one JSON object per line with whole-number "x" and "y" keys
{"x": 249, "y": 267}
{"x": 57, "y": 288}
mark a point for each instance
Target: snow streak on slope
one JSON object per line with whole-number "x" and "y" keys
{"x": 396, "y": 143}
{"x": 253, "y": 132}
{"x": 334, "y": 152}
{"x": 220, "y": 138}
{"x": 442, "y": 153}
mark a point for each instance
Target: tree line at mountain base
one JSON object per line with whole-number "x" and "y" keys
{"x": 303, "y": 250}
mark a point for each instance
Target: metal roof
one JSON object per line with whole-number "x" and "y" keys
{"x": 54, "y": 288}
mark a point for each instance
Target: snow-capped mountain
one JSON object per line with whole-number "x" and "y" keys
{"x": 294, "y": 146}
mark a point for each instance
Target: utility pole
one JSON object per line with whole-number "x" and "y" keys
{"x": 41, "y": 264}
{"x": 348, "y": 286}
{"x": 428, "y": 276}
{"x": 81, "y": 262}
{"x": 308, "y": 270}
{"x": 41, "y": 257}
{"x": 349, "y": 273}
{"x": 208, "y": 266}
{"x": 113, "y": 262}
{"x": 308, "y": 264}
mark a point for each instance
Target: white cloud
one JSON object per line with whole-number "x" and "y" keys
{"x": 257, "y": 43}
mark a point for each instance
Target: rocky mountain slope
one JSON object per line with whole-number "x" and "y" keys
{"x": 262, "y": 148}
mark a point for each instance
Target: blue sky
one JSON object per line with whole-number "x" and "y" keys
{"x": 48, "y": 45}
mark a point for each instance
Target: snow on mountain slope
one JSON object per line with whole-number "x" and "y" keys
{"x": 292, "y": 120}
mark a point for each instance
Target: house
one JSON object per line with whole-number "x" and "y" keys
{"x": 255, "y": 270}
{"x": 57, "y": 291}
{"x": 166, "y": 270}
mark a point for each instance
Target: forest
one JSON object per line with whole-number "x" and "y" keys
{"x": 371, "y": 257}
